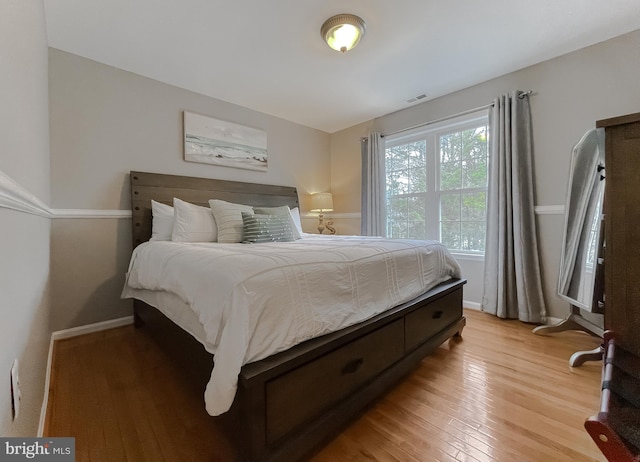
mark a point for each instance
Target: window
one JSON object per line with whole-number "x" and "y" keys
{"x": 436, "y": 183}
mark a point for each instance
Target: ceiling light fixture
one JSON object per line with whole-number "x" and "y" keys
{"x": 342, "y": 32}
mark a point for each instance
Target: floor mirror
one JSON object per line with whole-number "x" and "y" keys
{"x": 580, "y": 275}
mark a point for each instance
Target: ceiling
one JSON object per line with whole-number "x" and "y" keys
{"x": 267, "y": 55}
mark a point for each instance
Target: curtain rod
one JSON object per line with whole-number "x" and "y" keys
{"x": 452, "y": 116}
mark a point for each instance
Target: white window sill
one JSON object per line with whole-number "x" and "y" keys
{"x": 468, "y": 256}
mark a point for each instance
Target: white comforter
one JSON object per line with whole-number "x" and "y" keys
{"x": 254, "y": 300}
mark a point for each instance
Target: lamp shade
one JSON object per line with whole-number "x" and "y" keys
{"x": 322, "y": 202}
{"x": 342, "y": 32}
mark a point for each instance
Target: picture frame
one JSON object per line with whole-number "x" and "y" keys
{"x": 227, "y": 144}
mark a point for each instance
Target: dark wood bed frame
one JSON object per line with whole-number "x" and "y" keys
{"x": 289, "y": 404}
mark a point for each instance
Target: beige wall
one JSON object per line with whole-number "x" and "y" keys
{"x": 24, "y": 247}
{"x": 572, "y": 92}
{"x": 106, "y": 122}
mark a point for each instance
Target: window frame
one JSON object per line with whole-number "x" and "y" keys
{"x": 431, "y": 135}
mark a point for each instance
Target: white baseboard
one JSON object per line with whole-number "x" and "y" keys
{"x": 549, "y": 320}
{"x": 89, "y": 328}
{"x": 68, "y": 333}
{"x": 471, "y": 305}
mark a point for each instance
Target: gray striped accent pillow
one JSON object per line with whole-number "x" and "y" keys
{"x": 228, "y": 220}
{"x": 283, "y": 210}
{"x": 266, "y": 228}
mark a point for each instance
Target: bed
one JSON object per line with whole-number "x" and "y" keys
{"x": 265, "y": 374}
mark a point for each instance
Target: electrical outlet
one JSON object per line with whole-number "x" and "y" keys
{"x": 16, "y": 394}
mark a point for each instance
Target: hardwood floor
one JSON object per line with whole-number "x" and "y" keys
{"x": 499, "y": 394}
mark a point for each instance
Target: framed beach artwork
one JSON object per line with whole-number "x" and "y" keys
{"x": 218, "y": 142}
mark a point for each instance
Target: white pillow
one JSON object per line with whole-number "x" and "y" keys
{"x": 295, "y": 215}
{"x": 228, "y": 217}
{"x": 192, "y": 223}
{"x": 162, "y": 221}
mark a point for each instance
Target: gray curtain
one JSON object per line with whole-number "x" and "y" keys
{"x": 512, "y": 284}
{"x": 373, "y": 186}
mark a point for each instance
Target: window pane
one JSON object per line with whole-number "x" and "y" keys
{"x": 406, "y": 217}
{"x": 450, "y": 148}
{"x": 417, "y": 212}
{"x": 397, "y": 182}
{"x": 450, "y": 234}
{"x": 473, "y": 236}
{"x": 473, "y": 206}
{"x": 474, "y": 157}
{"x": 450, "y": 207}
{"x": 474, "y": 142}
{"x": 463, "y": 166}
{"x": 417, "y": 172}
{"x": 474, "y": 172}
{"x": 406, "y": 168}
{"x": 396, "y": 217}
{"x": 394, "y": 159}
{"x": 450, "y": 175}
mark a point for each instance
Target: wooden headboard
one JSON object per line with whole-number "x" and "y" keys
{"x": 163, "y": 188}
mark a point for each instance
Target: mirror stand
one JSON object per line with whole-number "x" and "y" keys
{"x": 575, "y": 321}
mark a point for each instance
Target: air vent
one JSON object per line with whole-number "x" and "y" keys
{"x": 416, "y": 98}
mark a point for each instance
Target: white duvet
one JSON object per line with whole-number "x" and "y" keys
{"x": 254, "y": 300}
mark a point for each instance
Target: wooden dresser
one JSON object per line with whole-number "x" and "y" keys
{"x": 616, "y": 428}
{"x": 622, "y": 229}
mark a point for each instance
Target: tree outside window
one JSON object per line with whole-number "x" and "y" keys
{"x": 436, "y": 184}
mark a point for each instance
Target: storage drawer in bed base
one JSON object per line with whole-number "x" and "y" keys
{"x": 300, "y": 443}
{"x": 310, "y": 389}
{"x": 281, "y": 430}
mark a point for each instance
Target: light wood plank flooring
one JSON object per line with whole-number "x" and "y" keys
{"x": 499, "y": 394}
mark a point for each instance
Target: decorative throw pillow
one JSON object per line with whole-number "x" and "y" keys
{"x": 192, "y": 223}
{"x": 228, "y": 217}
{"x": 161, "y": 222}
{"x": 266, "y": 228}
{"x": 284, "y": 211}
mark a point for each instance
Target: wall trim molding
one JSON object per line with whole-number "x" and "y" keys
{"x": 549, "y": 209}
{"x": 90, "y": 213}
{"x": 331, "y": 215}
{"x": 15, "y": 197}
{"x": 68, "y": 333}
{"x": 539, "y": 210}
{"x": 116, "y": 213}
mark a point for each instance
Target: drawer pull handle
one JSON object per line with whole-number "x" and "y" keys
{"x": 437, "y": 314}
{"x": 352, "y": 366}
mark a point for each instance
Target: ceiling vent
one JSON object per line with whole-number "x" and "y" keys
{"x": 417, "y": 98}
